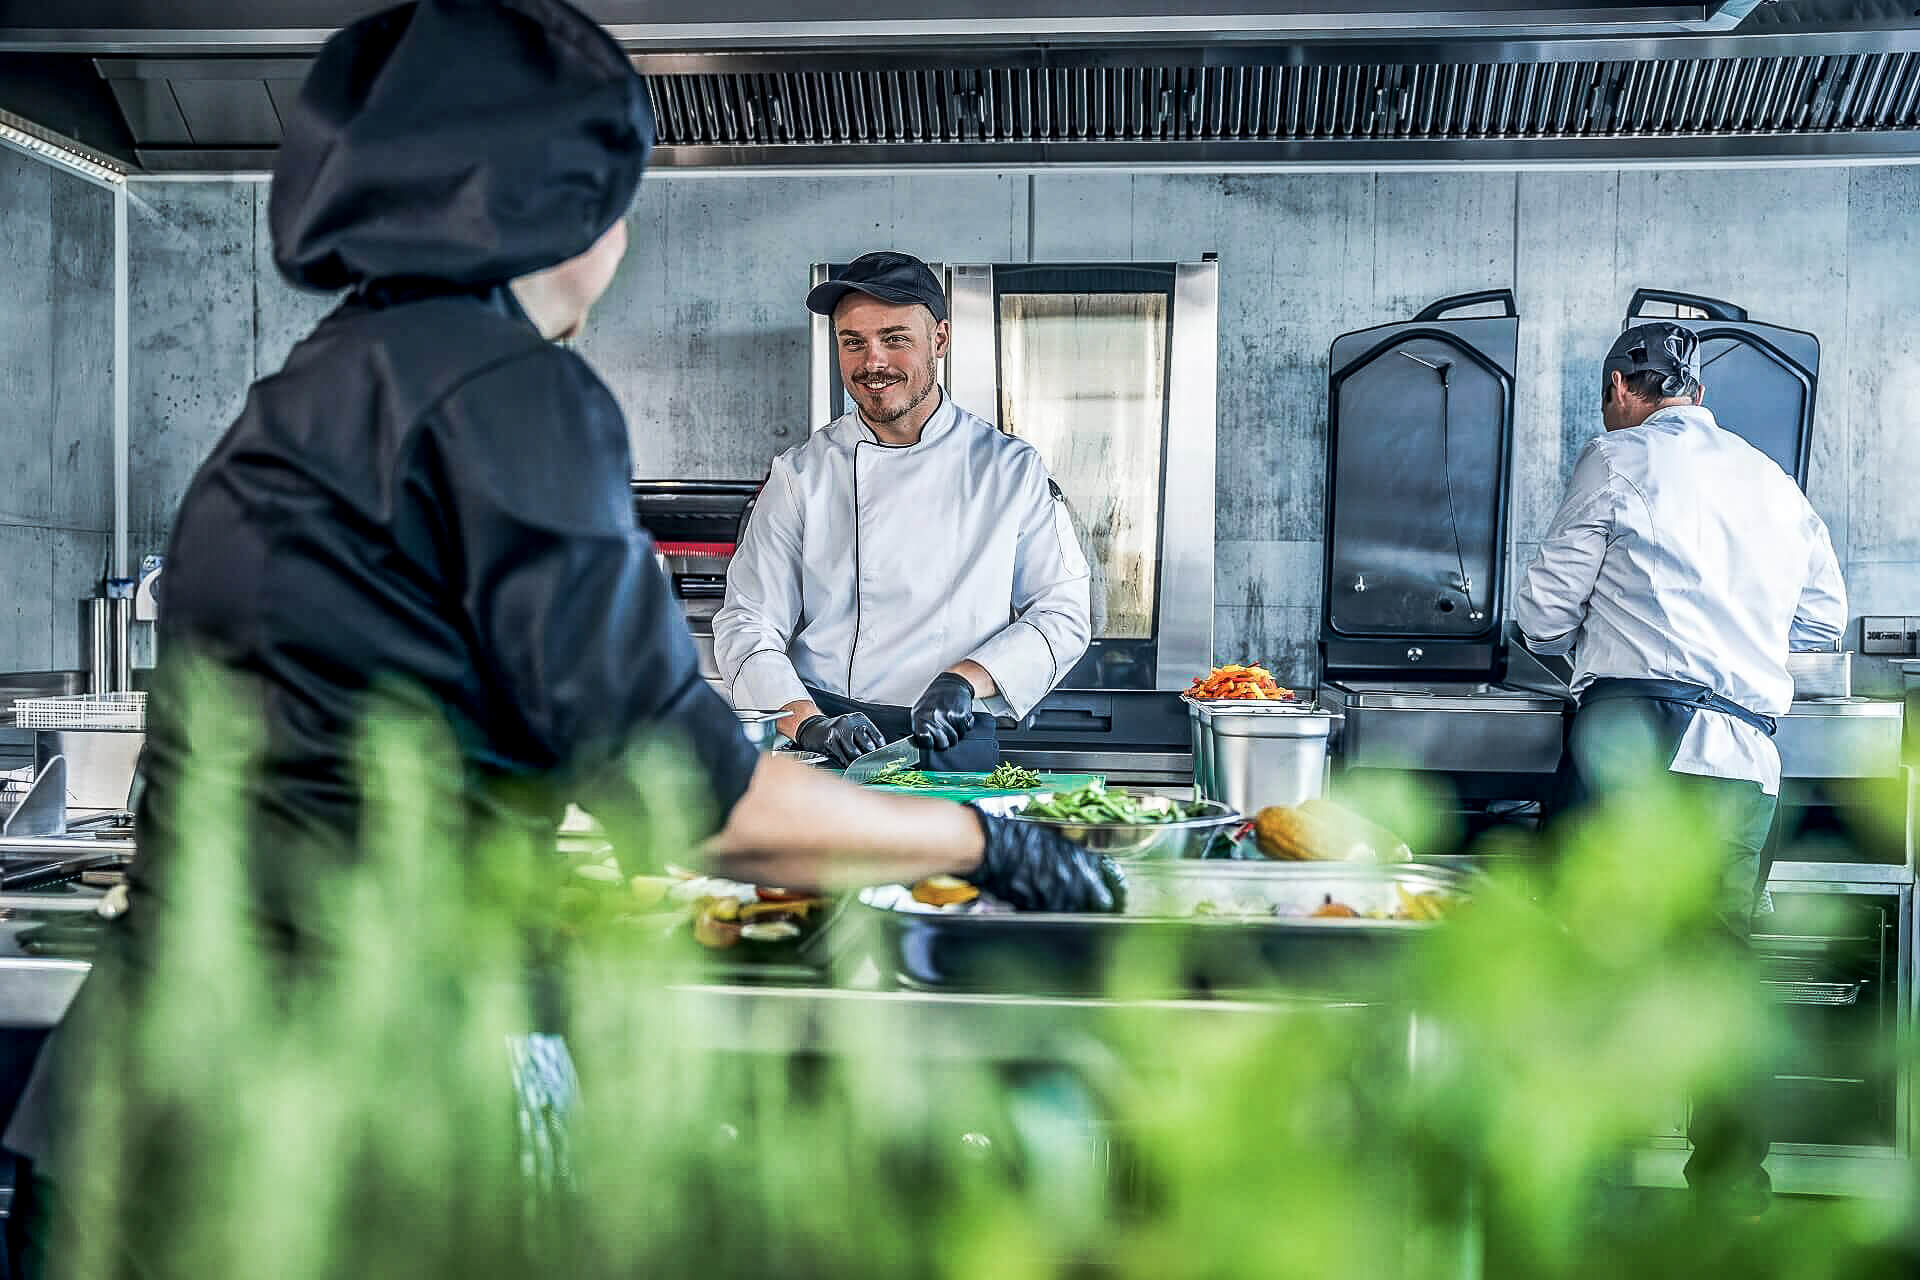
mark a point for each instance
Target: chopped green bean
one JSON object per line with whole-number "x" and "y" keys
{"x": 899, "y": 775}
{"x": 1011, "y": 777}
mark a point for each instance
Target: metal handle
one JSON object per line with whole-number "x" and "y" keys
{"x": 1069, "y": 718}
{"x": 1436, "y": 310}
{"x": 1715, "y": 308}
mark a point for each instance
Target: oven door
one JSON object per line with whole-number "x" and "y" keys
{"x": 1835, "y": 959}
{"x": 1108, "y": 370}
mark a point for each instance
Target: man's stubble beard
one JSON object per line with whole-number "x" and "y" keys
{"x": 909, "y": 407}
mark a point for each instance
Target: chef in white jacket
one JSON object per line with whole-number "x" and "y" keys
{"x": 909, "y": 570}
{"x": 1682, "y": 568}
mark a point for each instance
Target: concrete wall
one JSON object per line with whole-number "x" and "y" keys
{"x": 56, "y": 408}
{"x": 704, "y": 339}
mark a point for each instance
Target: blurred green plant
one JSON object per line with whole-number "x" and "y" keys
{"x": 355, "y": 1113}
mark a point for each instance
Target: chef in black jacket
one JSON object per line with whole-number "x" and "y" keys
{"x": 432, "y": 496}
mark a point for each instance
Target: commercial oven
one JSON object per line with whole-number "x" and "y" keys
{"x": 695, "y": 525}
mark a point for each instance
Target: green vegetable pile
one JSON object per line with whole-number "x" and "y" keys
{"x": 899, "y": 775}
{"x": 1011, "y": 777}
{"x": 1095, "y": 803}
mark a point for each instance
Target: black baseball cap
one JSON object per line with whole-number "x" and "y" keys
{"x": 1670, "y": 350}
{"x": 891, "y": 277}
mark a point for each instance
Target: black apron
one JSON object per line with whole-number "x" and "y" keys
{"x": 1624, "y": 728}
{"x": 978, "y": 750}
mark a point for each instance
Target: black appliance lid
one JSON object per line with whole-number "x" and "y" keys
{"x": 1419, "y": 450}
{"x": 1761, "y": 379}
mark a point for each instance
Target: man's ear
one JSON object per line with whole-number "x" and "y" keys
{"x": 942, "y": 337}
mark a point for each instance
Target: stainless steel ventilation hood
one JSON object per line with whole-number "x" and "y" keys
{"x": 174, "y": 26}
{"x": 201, "y": 85}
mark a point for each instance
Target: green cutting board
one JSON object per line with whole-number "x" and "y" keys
{"x": 963, "y": 787}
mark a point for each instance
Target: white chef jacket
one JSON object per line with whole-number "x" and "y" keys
{"x": 1684, "y": 553}
{"x": 867, "y": 569}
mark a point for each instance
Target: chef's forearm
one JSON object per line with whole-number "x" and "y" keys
{"x": 801, "y": 828}
{"x": 1028, "y": 657}
{"x": 976, "y": 675}
{"x": 797, "y": 714}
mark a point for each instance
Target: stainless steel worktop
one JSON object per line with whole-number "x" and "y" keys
{"x": 1840, "y": 738}
{"x": 721, "y": 1017}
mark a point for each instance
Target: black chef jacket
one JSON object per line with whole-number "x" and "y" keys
{"x": 428, "y": 497}
{"x": 427, "y": 509}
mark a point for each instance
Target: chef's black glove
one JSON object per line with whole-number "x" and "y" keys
{"x": 844, "y": 738}
{"x": 1034, "y": 869}
{"x": 944, "y": 711}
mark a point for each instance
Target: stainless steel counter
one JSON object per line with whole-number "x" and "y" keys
{"x": 1840, "y": 738}
{"x": 35, "y": 993}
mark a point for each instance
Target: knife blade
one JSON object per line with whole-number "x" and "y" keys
{"x": 901, "y": 752}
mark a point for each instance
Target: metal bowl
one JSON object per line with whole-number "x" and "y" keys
{"x": 1131, "y": 841}
{"x": 761, "y": 727}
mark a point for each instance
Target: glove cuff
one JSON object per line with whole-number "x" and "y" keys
{"x": 985, "y": 820}
{"x": 800, "y": 730}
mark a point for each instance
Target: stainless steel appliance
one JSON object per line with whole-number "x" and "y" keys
{"x": 1109, "y": 370}
{"x": 695, "y": 526}
{"x": 1251, "y": 755}
{"x": 97, "y": 737}
{"x": 1830, "y": 955}
{"x": 1414, "y": 648}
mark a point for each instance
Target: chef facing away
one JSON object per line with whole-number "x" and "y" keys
{"x": 909, "y": 570}
{"x": 1682, "y": 568}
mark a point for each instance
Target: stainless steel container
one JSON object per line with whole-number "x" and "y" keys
{"x": 1472, "y": 728}
{"x": 100, "y": 763}
{"x": 1253, "y": 754}
{"x": 1219, "y": 928}
{"x": 1821, "y": 675}
{"x": 1840, "y": 739}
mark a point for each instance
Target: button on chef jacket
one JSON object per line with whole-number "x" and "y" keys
{"x": 868, "y": 569}
{"x": 1682, "y": 552}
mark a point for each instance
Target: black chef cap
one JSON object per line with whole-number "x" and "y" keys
{"x": 460, "y": 141}
{"x": 898, "y": 278}
{"x": 1670, "y": 350}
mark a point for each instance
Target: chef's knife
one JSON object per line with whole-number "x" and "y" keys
{"x": 901, "y": 754}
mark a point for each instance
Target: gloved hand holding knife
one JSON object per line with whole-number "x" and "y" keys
{"x": 843, "y": 739}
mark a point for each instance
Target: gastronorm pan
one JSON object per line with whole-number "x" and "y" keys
{"x": 1160, "y": 947}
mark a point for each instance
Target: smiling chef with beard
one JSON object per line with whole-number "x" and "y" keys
{"x": 910, "y": 570}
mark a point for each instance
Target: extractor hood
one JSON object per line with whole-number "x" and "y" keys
{"x": 202, "y": 85}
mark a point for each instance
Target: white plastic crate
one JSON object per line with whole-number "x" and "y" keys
{"x": 110, "y": 711}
